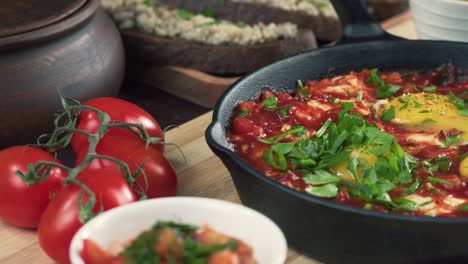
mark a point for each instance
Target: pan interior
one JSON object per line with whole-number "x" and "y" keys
{"x": 329, "y": 62}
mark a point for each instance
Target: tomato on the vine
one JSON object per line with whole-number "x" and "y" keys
{"x": 22, "y": 204}
{"x": 118, "y": 110}
{"x": 159, "y": 178}
{"x": 60, "y": 221}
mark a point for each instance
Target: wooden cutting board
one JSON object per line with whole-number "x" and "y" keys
{"x": 200, "y": 174}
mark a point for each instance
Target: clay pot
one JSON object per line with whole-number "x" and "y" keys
{"x": 69, "y": 46}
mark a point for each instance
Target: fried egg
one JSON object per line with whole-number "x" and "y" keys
{"x": 428, "y": 113}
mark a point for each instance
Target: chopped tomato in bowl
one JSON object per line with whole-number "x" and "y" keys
{"x": 181, "y": 230}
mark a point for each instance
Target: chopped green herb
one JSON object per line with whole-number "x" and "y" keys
{"x": 326, "y": 191}
{"x": 208, "y": 24}
{"x": 242, "y": 114}
{"x": 284, "y": 111}
{"x": 347, "y": 106}
{"x": 383, "y": 90}
{"x": 388, "y": 114}
{"x": 426, "y": 203}
{"x": 406, "y": 204}
{"x": 270, "y": 103}
{"x": 320, "y": 177}
{"x": 300, "y": 84}
{"x": 443, "y": 164}
{"x": 240, "y": 23}
{"x": 147, "y": 2}
{"x": 450, "y": 140}
{"x": 430, "y": 89}
{"x": 463, "y": 112}
{"x": 324, "y": 128}
{"x": 275, "y": 160}
{"x": 411, "y": 188}
{"x": 428, "y": 120}
{"x": 463, "y": 208}
{"x": 424, "y": 111}
{"x": 435, "y": 180}
{"x": 334, "y": 100}
{"x": 417, "y": 104}
{"x": 184, "y": 14}
{"x": 283, "y": 148}
{"x": 207, "y": 11}
{"x": 407, "y": 100}
{"x": 271, "y": 140}
{"x": 359, "y": 96}
{"x": 460, "y": 103}
{"x": 368, "y": 206}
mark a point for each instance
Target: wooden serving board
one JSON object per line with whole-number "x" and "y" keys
{"x": 200, "y": 174}
{"x": 204, "y": 89}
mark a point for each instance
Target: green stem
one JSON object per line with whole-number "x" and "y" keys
{"x": 86, "y": 210}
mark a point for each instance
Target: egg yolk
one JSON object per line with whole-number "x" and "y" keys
{"x": 428, "y": 113}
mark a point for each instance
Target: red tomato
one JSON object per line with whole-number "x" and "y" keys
{"x": 60, "y": 221}
{"x": 22, "y": 204}
{"x": 161, "y": 179}
{"x": 118, "y": 110}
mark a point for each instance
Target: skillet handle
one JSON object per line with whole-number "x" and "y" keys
{"x": 358, "y": 25}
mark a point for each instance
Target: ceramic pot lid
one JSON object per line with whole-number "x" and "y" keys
{"x": 19, "y": 16}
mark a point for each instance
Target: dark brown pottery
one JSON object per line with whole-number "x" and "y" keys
{"x": 69, "y": 46}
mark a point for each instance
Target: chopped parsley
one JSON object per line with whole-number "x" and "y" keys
{"x": 142, "y": 248}
{"x": 461, "y": 104}
{"x": 451, "y": 140}
{"x": 240, "y": 23}
{"x": 435, "y": 180}
{"x": 359, "y": 97}
{"x": 184, "y": 14}
{"x": 463, "y": 208}
{"x": 383, "y": 90}
{"x": 388, "y": 114}
{"x": 407, "y": 100}
{"x": 270, "y": 103}
{"x": 318, "y": 156}
{"x": 242, "y": 114}
{"x": 207, "y": 11}
{"x": 430, "y": 89}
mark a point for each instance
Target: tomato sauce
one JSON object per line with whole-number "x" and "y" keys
{"x": 254, "y": 120}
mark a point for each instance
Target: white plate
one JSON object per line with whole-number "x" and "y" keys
{"x": 125, "y": 222}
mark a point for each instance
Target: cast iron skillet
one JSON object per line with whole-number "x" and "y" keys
{"x": 327, "y": 231}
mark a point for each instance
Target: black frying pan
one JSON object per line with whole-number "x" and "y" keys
{"x": 325, "y": 230}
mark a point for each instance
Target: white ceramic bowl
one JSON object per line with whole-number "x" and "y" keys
{"x": 125, "y": 222}
{"x": 441, "y": 19}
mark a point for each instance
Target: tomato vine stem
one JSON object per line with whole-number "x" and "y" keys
{"x": 60, "y": 138}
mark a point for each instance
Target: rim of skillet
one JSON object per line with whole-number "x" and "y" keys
{"x": 217, "y": 115}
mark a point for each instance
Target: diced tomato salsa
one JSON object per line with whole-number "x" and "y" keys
{"x": 168, "y": 243}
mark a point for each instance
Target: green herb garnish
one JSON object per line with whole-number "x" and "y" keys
{"x": 207, "y": 11}
{"x": 242, "y": 114}
{"x": 240, "y": 23}
{"x": 430, "y": 89}
{"x": 383, "y": 90}
{"x": 388, "y": 114}
{"x": 325, "y": 191}
{"x": 184, "y": 14}
{"x": 270, "y": 103}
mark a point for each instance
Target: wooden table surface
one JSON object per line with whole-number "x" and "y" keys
{"x": 202, "y": 174}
